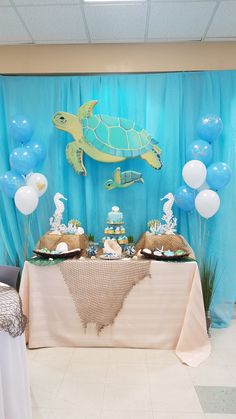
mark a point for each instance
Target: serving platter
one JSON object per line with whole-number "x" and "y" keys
{"x": 63, "y": 255}
{"x": 163, "y": 257}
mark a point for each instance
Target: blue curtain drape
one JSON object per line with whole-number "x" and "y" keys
{"x": 168, "y": 105}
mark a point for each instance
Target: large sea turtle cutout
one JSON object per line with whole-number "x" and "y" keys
{"x": 105, "y": 138}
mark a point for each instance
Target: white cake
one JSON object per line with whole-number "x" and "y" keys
{"x": 115, "y": 216}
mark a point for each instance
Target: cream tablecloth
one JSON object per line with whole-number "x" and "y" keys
{"x": 162, "y": 311}
{"x": 14, "y": 385}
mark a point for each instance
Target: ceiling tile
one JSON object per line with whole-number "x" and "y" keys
{"x": 186, "y": 20}
{"x": 224, "y": 39}
{"x": 5, "y": 3}
{"x": 224, "y": 22}
{"x": 118, "y": 41}
{"x": 11, "y": 28}
{"x": 53, "y": 23}
{"x": 44, "y": 2}
{"x": 62, "y": 42}
{"x": 116, "y": 22}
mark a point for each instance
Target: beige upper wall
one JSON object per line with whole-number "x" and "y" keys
{"x": 113, "y": 58}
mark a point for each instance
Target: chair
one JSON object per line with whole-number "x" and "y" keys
{"x": 9, "y": 275}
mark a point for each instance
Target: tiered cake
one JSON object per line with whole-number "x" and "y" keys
{"x": 115, "y": 229}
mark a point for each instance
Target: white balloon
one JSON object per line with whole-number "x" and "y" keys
{"x": 207, "y": 203}
{"x": 26, "y": 199}
{"x": 38, "y": 182}
{"x": 194, "y": 173}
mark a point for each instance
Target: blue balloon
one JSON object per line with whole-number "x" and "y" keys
{"x": 22, "y": 160}
{"x": 218, "y": 175}
{"x": 22, "y": 128}
{"x": 185, "y": 198}
{"x": 38, "y": 148}
{"x": 209, "y": 127}
{"x": 200, "y": 150}
{"x": 10, "y": 181}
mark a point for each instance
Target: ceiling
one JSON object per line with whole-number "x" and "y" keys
{"x": 76, "y": 21}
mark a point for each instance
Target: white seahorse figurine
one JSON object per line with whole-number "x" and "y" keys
{"x": 56, "y": 219}
{"x": 171, "y": 222}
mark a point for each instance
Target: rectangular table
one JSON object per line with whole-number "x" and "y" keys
{"x": 163, "y": 310}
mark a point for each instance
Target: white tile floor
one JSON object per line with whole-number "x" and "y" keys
{"x": 80, "y": 383}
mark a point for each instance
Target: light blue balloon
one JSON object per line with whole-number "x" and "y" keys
{"x": 38, "y": 148}
{"x": 200, "y": 150}
{"x": 209, "y": 127}
{"x": 218, "y": 175}
{"x": 21, "y": 128}
{"x": 185, "y": 198}
{"x": 22, "y": 160}
{"x": 10, "y": 181}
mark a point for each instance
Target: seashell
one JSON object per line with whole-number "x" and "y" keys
{"x": 62, "y": 247}
{"x": 111, "y": 246}
{"x": 135, "y": 257}
{"x": 139, "y": 254}
{"x": 93, "y": 257}
{"x": 157, "y": 253}
{"x": 148, "y": 251}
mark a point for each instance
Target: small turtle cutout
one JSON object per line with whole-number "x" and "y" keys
{"x": 123, "y": 179}
{"x": 105, "y": 138}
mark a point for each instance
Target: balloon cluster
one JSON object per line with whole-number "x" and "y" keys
{"x": 20, "y": 182}
{"x": 202, "y": 182}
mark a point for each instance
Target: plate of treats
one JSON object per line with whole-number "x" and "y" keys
{"x": 110, "y": 256}
{"x": 56, "y": 254}
{"x": 160, "y": 254}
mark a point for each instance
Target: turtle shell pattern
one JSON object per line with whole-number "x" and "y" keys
{"x": 116, "y": 136}
{"x": 129, "y": 176}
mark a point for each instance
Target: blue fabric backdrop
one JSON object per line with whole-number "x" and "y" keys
{"x": 168, "y": 105}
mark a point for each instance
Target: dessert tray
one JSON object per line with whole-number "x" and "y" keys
{"x": 158, "y": 254}
{"x": 110, "y": 256}
{"x": 46, "y": 254}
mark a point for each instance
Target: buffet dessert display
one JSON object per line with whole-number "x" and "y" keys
{"x": 160, "y": 242}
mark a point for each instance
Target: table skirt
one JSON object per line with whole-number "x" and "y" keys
{"x": 162, "y": 311}
{"x": 14, "y": 385}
